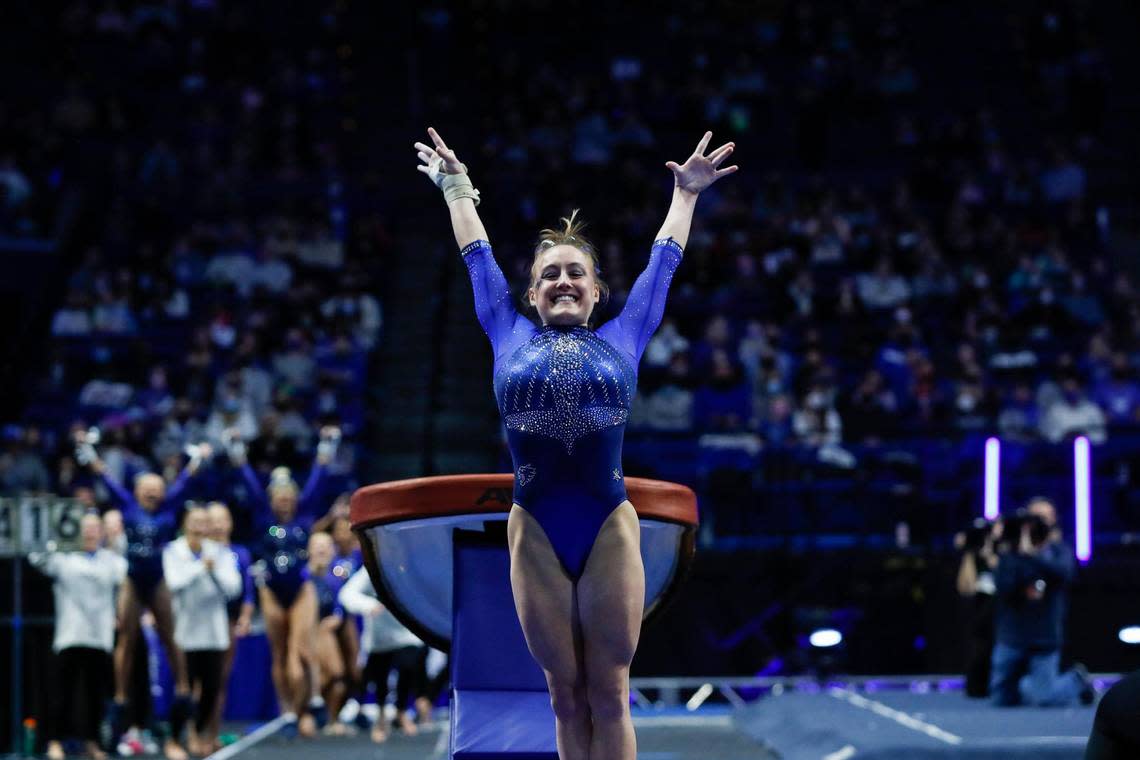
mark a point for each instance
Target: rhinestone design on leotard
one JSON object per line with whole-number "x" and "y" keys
{"x": 565, "y": 384}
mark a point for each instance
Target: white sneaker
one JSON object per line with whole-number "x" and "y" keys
{"x": 150, "y": 746}
{"x": 349, "y": 712}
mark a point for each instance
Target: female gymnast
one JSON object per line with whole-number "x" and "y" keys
{"x": 150, "y": 521}
{"x": 284, "y": 515}
{"x": 328, "y": 667}
{"x": 564, "y": 391}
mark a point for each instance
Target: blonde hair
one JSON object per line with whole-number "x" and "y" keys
{"x": 281, "y": 479}
{"x": 570, "y": 234}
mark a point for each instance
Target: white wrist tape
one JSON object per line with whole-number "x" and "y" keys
{"x": 457, "y": 186}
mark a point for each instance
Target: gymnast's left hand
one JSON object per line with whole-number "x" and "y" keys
{"x": 699, "y": 171}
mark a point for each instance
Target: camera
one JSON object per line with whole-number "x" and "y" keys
{"x": 1014, "y": 524}
{"x": 977, "y": 534}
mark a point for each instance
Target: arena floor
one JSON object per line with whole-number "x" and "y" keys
{"x": 708, "y": 733}
{"x": 823, "y": 726}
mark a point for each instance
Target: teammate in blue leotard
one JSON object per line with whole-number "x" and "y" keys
{"x": 564, "y": 391}
{"x": 150, "y": 521}
{"x": 283, "y": 516}
{"x": 346, "y": 560}
{"x": 329, "y": 663}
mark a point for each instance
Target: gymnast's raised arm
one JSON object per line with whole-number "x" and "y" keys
{"x": 444, "y": 168}
{"x": 689, "y": 180}
{"x": 645, "y": 306}
{"x": 493, "y": 305}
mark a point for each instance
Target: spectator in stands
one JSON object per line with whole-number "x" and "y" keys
{"x": 872, "y": 409}
{"x": 723, "y": 404}
{"x": 1063, "y": 180}
{"x": 971, "y": 403}
{"x": 85, "y": 584}
{"x": 670, "y": 406}
{"x": 272, "y": 447}
{"x": 1119, "y": 393}
{"x": 816, "y": 422}
{"x": 22, "y": 468}
{"x": 717, "y": 337}
{"x": 355, "y": 310}
{"x": 112, "y": 314}
{"x": 295, "y": 365}
{"x": 666, "y": 343}
{"x": 776, "y": 420}
{"x": 1019, "y": 419}
{"x": 74, "y": 317}
{"x": 1073, "y": 414}
{"x": 232, "y": 412}
{"x": 177, "y": 430}
{"x": 882, "y": 288}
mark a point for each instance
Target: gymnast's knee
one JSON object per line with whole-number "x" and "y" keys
{"x": 568, "y": 701}
{"x": 608, "y": 700}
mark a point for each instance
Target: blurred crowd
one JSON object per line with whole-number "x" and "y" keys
{"x": 891, "y": 261}
{"x": 217, "y": 280}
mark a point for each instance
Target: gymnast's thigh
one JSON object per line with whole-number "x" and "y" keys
{"x": 545, "y": 600}
{"x": 611, "y": 595}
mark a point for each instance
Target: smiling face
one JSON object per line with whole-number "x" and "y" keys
{"x": 150, "y": 489}
{"x": 195, "y": 527}
{"x": 283, "y": 501}
{"x": 221, "y": 522}
{"x": 564, "y": 288}
{"x": 91, "y": 531}
{"x": 320, "y": 550}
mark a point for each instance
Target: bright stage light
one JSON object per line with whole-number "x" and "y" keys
{"x": 993, "y": 477}
{"x": 1130, "y": 635}
{"x": 825, "y": 637}
{"x": 1082, "y": 479}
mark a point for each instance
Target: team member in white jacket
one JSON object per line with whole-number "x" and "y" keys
{"x": 388, "y": 645}
{"x": 85, "y": 583}
{"x": 202, "y": 576}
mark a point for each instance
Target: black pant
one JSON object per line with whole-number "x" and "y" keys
{"x": 1116, "y": 731}
{"x": 410, "y": 664}
{"x": 83, "y": 685}
{"x": 981, "y": 646}
{"x": 204, "y": 669}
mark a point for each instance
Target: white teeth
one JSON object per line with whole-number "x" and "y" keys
{"x": 567, "y": 299}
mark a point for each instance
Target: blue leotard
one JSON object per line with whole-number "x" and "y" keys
{"x": 344, "y": 565}
{"x": 327, "y": 586}
{"x": 564, "y": 394}
{"x": 244, "y": 559}
{"x": 147, "y": 532}
{"x": 284, "y": 547}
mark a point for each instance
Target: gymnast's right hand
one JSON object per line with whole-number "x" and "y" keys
{"x": 438, "y": 161}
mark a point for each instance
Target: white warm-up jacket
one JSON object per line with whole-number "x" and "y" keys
{"x": 382, "y": 632}
{"x": 199, "y": 597}
{"x": 84, "y": 586}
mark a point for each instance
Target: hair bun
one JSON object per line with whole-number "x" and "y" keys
{"x": 280, "y": 475}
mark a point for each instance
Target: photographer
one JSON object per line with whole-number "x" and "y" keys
{"x": 1033, "y": 572}
{"x": 976, "y": 585}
